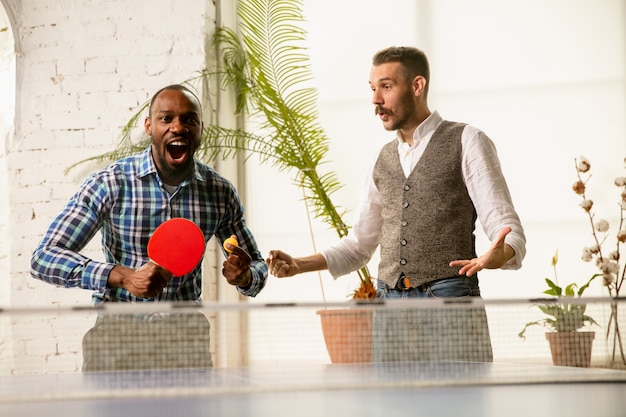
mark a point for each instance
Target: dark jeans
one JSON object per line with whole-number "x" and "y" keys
{"x": 432, "y": 333}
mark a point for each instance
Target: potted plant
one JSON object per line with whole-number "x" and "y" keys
{"x": 609, "y": 262}
{"x": 267, "y": 68}
{"x": 565, "y": 316}
{"x": 266, "y": 65}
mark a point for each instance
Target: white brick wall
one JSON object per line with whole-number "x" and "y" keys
{"x": 82, "y": 69}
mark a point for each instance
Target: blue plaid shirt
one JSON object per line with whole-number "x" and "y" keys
{"x": 126, "y": 201}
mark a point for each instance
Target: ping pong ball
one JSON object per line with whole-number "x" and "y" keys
{"x": 232, "y": 241}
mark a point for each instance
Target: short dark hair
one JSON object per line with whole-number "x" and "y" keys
{"x": 413, "y": 61}
{"x": 177, "y": 87}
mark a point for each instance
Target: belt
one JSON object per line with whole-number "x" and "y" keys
{"x": 404, "y": 284}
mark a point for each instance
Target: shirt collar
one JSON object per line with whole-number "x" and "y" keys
{"x": 425, "y": 129}
{"x": 146, "y": 163}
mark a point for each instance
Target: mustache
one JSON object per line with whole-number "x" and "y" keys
{"x": 379, "y": 110}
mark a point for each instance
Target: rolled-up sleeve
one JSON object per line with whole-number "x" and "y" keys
{"x": 490, "y": 194}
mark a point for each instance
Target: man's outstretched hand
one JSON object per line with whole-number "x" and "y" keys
{"x": 498, "y": 254}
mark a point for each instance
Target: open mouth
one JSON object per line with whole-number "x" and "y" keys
{"x": 178, "y": 149}
{"x": 380, "y": 112}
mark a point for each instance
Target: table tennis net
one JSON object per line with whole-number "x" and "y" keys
{"x": 251, "y": 336}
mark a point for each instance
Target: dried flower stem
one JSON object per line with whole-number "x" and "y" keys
{"x": 610, "y": 268}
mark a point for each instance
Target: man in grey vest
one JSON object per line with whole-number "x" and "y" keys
{"x": 426, "y": 190}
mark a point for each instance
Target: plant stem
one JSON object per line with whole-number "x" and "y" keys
{"x": 616, "y": 342}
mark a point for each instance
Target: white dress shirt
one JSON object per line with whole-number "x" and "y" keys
{"x": 485, "y": 184}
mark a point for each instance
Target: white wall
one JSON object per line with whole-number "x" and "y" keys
{"x": 82, "y": 69}
{"x": 7, "y": 114}
{"x": 545, "y": 80}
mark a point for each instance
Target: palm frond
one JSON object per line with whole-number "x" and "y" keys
{"x": 267, "y": 67}
{"x": 223, "y": 143}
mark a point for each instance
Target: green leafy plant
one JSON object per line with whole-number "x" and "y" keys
{"x": 562, "y": 315}
{"x": 266, "y": 67}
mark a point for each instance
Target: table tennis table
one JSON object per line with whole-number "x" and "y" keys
{"x": 155, "y": 359}
{"x": 372, "y": 389}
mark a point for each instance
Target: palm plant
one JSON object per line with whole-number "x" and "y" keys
{"x": 268, "y": 69}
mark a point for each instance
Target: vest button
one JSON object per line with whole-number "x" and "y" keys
{"x": 407, "y": 187}
{"x": 402, "y": 261}
{"x": 403, "y": 223}
{"x": 403, "y": 242}
{"x": 405, "y": 204}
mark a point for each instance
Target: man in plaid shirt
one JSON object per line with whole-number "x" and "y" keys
{"x": 128, "y": 199}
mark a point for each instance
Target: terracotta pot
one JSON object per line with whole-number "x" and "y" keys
{"x": 348, "y": 334}
{"x": 571, "y": 348}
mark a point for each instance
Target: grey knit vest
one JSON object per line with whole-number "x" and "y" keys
{"x": 428, "y": 218}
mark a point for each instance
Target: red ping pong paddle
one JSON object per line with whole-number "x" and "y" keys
{"x": 177, "y": 245}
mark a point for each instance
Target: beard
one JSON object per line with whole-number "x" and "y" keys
{"x": 181, "y": 172}
{"x": 401, "y": 117}
{"x": 171, "y": 173}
